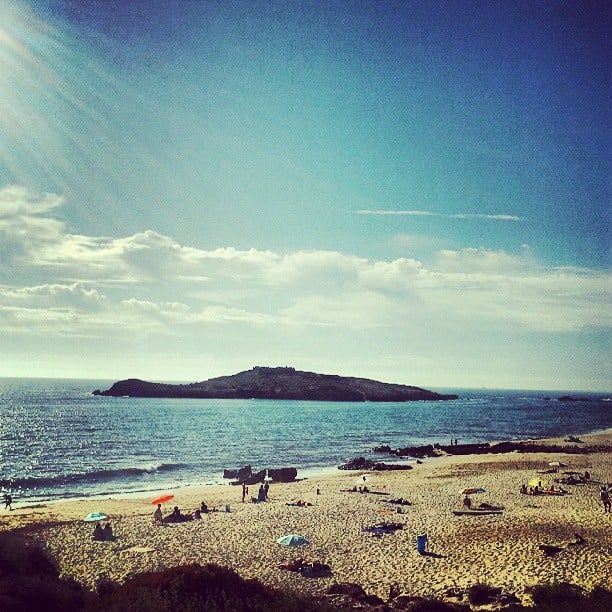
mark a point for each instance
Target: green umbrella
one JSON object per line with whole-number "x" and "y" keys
{"x": 293, "y": 539}
{"x": 94, "y": 517}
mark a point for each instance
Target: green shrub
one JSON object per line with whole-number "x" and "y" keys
{"x": 567, "y": 597}
{"x": 192, "y": 588}
{"x": 482, "y": 593}
{"x": 29, "y": 579}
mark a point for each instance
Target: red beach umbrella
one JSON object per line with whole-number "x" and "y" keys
{"x": 162, "y": 499}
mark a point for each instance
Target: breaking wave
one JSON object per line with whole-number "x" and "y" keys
{"x": 94, "y": 477}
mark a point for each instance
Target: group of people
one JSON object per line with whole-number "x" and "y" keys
{"x": 176, "y": 516}
{"x": 604, "y": 493}
{"x": 262, "y": 494}
{"x": 539, "y": 489}
{"x": 103, "y": 534}
{"x": 574, "y": 478}
{"x": 356, "y": 489}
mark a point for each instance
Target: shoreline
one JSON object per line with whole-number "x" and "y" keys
{"x": 502, "y": 550}
{"x": 305, "y": 473}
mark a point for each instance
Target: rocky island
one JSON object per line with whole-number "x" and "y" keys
{"x": 283, "y": 383}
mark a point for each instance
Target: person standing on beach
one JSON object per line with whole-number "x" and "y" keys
{"x": 8, "y": 501}
{"x": 158, "y": 517}
{"x": 605, "y": 499}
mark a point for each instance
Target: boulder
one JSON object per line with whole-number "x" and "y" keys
{"x": 241, "y": 474}
{"x": 287, "y": 474}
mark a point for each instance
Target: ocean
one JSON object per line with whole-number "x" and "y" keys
{"x": 58, "y": 441}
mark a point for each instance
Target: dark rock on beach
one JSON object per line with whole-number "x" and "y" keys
{"x": 288, "y": 474}
{"x": 242, "y": 474}
{"x": 247, "y": 476}
{"x": 409, "y": 451}
{"x": 352, "y": 592}
{"x": 361, "y": 463}
{"x": 278, "y": 383}
{"x": 492, "y": 448}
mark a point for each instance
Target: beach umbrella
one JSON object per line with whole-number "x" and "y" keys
{"x": 293, "y": 539}
{"x": 94, "y": 517}
{"x": 162, "y": 499}
{"x": 472, "y": 490}
{"x": 537, "y": 482}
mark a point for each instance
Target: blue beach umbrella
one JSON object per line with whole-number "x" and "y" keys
{"x": 93, "y": 517}
{"x": 293, "y": 539}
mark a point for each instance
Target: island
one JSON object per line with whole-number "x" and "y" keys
{"x": 282, "y": 383}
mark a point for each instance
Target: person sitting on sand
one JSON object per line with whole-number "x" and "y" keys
{"x": 108, "y": 533}
{"x": 467, "y": 502}
{"x": 175, "y": 517}
{"x": 486, "y": 506}
{"x": 293, "y": 566}
{"x": 197, "y": 515}
{"x": 523, "y": 489}
{"x": 98, "y": 534}
{"x": 204, "y": 508}
{"x": 158, "y": 517}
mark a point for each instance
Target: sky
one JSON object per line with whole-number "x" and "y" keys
{"x": 416, "y": 192}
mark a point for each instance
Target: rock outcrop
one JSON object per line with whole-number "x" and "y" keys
{"x": 247, "y": 476}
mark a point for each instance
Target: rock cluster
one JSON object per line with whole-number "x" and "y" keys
{"x": 361, "y": 463}
{"x": 245, "y": 475}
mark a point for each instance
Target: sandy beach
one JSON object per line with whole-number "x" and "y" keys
{"x": 501, "y": 550}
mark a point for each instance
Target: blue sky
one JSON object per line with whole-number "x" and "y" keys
{"x": 415, "y": 192}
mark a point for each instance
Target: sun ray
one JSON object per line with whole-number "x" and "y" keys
{"x": 62, "y": 111}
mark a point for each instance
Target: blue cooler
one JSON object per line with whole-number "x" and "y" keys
{"x": 421, "y": 543}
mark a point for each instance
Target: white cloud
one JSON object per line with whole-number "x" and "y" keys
{"x": 121, "y": 290}
{"x": 427, "y": 213}
{"x": 75, "y": 295}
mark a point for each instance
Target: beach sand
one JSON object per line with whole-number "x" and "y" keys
{"x": 501, "y": 550}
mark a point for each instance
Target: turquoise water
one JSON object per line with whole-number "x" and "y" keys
{"x": 57, "y": 440}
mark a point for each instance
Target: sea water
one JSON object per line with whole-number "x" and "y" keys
{"x": 57, "y": 440}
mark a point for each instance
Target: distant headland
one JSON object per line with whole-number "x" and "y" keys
{"x": 283, "y": 383}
